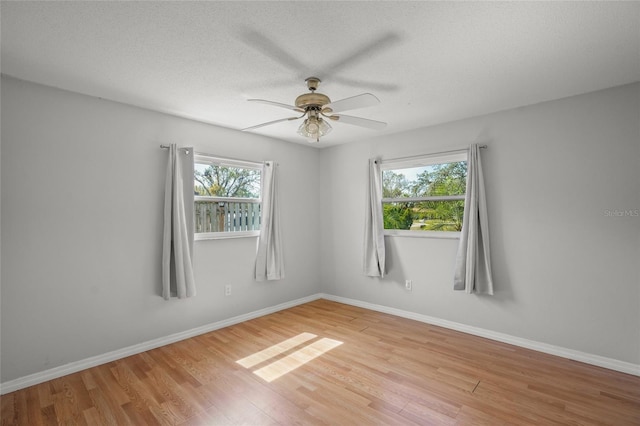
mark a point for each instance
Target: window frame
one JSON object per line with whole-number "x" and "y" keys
{"x": 422, "y": 161}
{"x": 201, "y": 158}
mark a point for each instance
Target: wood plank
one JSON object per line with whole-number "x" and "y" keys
{"x": 330, "y": 363}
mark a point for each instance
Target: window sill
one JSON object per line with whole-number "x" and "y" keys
{"x": 225, "y": 235}
{"x": 447, "y": 235}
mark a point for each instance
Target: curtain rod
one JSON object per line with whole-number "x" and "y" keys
{"x": 255, "y": 163}
{"x": 430, "y": 154}
{"x": 167, "y": 147}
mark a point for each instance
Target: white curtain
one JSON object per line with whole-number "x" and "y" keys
{"x": 374, "y": 253}
{"x": 177, "y": 246}
{"x": 269, "y": 260}
{"x": 473, "y": 261}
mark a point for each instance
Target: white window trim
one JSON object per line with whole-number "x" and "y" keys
{"x": 447, "y": 235}
{"x": 418, "y": 199}
{"x": 200, "y": 157}
{"x": 201, "y": 236}
{"x": 420, "y": 161}
{"x": 226, "y": 199}
{"x": 424, "y": 160}
{"x": 230, "y": 162}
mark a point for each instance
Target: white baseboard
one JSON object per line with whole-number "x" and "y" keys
{"x": 600, "y": 361}
{"x": 74, "y": 367}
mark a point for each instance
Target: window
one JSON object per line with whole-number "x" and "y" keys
{"x": 424, "y": 196}
{"x": 227, "y": 197}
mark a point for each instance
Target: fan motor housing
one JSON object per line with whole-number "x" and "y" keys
{"x": 312, "y": 100}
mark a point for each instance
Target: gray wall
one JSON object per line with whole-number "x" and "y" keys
{"x": 566, "y": 273}
{"x": 82, "y": 196}
{"x": 81, "y": 209}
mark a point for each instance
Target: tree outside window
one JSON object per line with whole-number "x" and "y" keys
{"x": 227, "y": 197}
{"x": 424, "y": 197}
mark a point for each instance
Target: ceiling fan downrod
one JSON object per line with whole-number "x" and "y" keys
{"x": 312, "y": 83}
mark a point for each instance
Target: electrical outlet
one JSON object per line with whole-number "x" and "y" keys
{"x": 408, "y": 285}
{"x": 227, "y": 290}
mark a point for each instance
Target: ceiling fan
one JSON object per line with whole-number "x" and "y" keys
{"x": 317, "y": 109}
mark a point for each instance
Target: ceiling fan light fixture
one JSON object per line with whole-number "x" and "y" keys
{"x": 317, "y": 109}
{"x": 313, "y": 128}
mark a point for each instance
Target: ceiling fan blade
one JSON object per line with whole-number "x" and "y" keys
{"x": 364, "y": 84}
{"x": 278, "y": 104}
{"x": 263, "y": 44}
{"x": 358, "y": 101}
{"x": 365, "y": 52}
{"x": 358, "y": 121}
{"x": 270, "y": 123}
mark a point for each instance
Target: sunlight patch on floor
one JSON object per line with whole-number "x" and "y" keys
{"x": 275, "y": 350}
{"x": 292, "y": 361}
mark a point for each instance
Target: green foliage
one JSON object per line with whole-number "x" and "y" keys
{"x": 223, "y": 181}
{"x": 394, "y": 185}
{"x": 439, "y": 215}
{"x": 397, "y": 216}
{"x": 444, "y": 179}
{"x": 438, "y": 180}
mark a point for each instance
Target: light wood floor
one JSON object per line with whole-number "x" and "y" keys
{"x": 329, "y": 363}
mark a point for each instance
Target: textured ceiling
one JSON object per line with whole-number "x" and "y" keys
{"x": 427, "y": 62}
